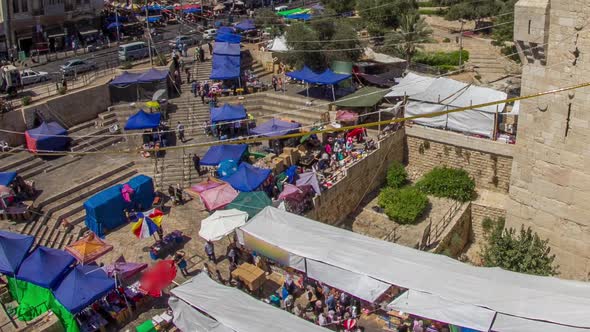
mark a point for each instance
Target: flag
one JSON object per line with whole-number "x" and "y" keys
{"x": 147, "y": 223}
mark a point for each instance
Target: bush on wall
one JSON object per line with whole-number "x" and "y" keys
{"x": 404, "y": 205}
{"x": 448, "y": 182}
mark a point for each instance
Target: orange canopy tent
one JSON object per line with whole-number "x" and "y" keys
{"x": 88, "y": 249}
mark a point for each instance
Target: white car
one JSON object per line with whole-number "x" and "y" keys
{"x": 281, "y": 8}
{"x": 29, "y": 76}
{"x": 76, "y": 66}
{"x": 209, "y": 34}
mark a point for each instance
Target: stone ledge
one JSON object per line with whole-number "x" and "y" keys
{"x": 456, "y": 139}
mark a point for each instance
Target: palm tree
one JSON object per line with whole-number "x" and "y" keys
{"x": 405, "y": 42}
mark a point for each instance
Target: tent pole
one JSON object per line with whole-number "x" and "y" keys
{"x": 333, "y": 94}
{"x": 307, "y": 85}
{"x": 379, "y": 129}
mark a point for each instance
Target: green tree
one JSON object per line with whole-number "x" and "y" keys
{"x": 339, "y": 6}
{"x": 523, "y": 252}
{"x": 268, "y": 19}
{"x": 474, "y": 10}
{"x": 503, "y": 30}
{"x": 406, "y": 41}
{"x": 345, "y": 40}
{"x": 304, "y": 43}
{"x": 382, "y": 16}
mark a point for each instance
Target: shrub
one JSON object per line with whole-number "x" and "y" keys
{"x": 446, "y": 68}
{"x": 26, "y": 100}
{"x": 161, "y": 60}
{"x": 62, "y": 90}
{"x": 441, "y": 58}
{"x": 448, "y": 182}
{"x": 126, "y": 65}
{"x": 446, "y": 40}
{"x": 396, "y": 175}
{"x": 403, "y": 206}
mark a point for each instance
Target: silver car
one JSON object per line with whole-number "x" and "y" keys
{"x": 187, "y": 40}
{"x": 29, "y": 76}
{"x": 77, "y": 66}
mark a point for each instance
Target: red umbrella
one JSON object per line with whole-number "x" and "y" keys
{"x": 157, "y": 278}
{"x": 349, "y": 324}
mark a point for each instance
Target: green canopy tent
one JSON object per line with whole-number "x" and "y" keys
{"x": 293, "y": 11}
{"x": 250, "y": 202}
{"x": 366, "y": 97}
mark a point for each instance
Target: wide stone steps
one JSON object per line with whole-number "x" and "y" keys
{"x": 67, "y": 197}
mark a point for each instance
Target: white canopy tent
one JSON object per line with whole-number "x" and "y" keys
{"x": 279, "y": 44}
{"x": 530, "y": 297}
{"x": 221, "y": 223}
{"x": 237, "y": 310}
{"x": 410, "y": 85}
{"x": 187, "y": 318}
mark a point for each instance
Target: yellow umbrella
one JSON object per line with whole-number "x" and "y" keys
{"x": 153, "y": 104}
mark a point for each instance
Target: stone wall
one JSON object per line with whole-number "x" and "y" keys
{"x": 13, "y": 121}
{"x": 336, "y": 203}
{"x": 457, "y": 233}
{"x": 478, "y": 214}
{"x": 488, "y": 162}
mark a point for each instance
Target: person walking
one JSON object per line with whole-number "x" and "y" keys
{"x": 180, "y": 131}
{"x": 197, "y": 163}
{"x": 202, "y": 54}
{"x": 210, "y": 251}
{"x": 187, "y": 70}
{"x": 194, "y": 88}
{"x": 181, "y": 262}
{"x": 202, "y": 95}
{"x": 274, "y": 82}
{"x": 210, "y": 48}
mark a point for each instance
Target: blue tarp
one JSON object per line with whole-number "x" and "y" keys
{"x": 192, "y": 10}
{"x": 227, "y": 36}
{"x": 114, "y": 25}
{"x": 219, "y": 153}
{"x": 13, "y": 249}
{"x": 246, "y": 25}
{"x": 225, "y": 67}
{"x": 125, "y": 78}
{"x": 6, "y": 178}
{"x": 328, "y": 77}
{"x": 84, "y": 285}
{"x": 223, "y": 48}
{"x": 45, "y": 267}
{"x": 153, "y": 19}
{"x": 104, "y": 211}
{"x": 247, "y": 178}
{"x": 304, "y": 17}
{"x": 224, "y": 30}
{"x": 275, "y": 127}
{"x": 143, "y": 120}
{"x": 153, "y": 75}
{"x": 228, "y": 112}
{"x": 143, "y": 195}
{"x": 49, "y": 136}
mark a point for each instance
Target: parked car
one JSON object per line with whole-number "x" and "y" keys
{"x": 133, "y": 51}
{"x": 281, "y": 8}
{"x": 189, "y": 41}
{"x": 210, "y": 34}
{"x": 29, "y": 76}
{"x": 77, "y": 66}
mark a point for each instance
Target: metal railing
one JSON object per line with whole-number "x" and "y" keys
{"x": 432, "y": 234}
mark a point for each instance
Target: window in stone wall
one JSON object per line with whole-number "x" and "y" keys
{"x": 24, "y": 6}
{"x": 15, "y": 6}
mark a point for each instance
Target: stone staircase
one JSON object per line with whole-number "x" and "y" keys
{"x": 84, "y": 135}
{"x": 61, "y": 217}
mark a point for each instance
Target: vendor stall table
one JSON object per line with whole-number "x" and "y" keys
{"x": 252, "y": 276}
{"x": 167, "y": 246}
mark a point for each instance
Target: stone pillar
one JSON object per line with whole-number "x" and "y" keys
{"x": 550, "y": 182}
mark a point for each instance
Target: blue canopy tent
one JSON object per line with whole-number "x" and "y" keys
{"x": 224, "y": 48}
{"x": 247, "y": 178}
{"x": 219, "y": 153}
{"x": 302, "y": 16}
{"x": 153, "y": 19}
{"x": 83, "y": 286}
{"x": 276, "y": 127}
{"x": 143, "y": 187}
{"x": 224, "y": 30}
{"x": 105, "y": 210}
{"x": 45, "y": 266}
{"x": 114, "y": 25}
{"x": 224, "y": 35}
{"x": 227, "y": 113}
{"x": 13, "y": 249}
{"x": 6, "y": 178}
{"x": 328, "y": 77}
{"x": 49, "y": 136}
{"x": 153, "y": 75}
{"x": 125, "y": 78}
{"x": 246, "y": 25}
{"x": 225, "y": 67}
{"x": 143, "y": 120}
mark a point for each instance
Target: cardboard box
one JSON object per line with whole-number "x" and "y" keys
{"x": 278, "y": 165}
{"x": 286, "y": 159}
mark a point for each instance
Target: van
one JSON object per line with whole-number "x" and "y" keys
{"x": 133, "y": 51}
{"x": 281, "y": 8}
{"x": 210, "y": 34}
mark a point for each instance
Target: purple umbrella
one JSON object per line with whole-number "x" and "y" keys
{"x": 309, "y": 178}
{"x": 124, "y": 269}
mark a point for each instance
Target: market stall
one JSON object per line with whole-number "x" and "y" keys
{"x": 218, "y": 153}
{"x": 48, "y": 137}
{"x": 222, "y": 223}
{"x": 247, "y": 178}
{"x": 88, "y": 249}
{"x": 13, "y": 250}
{"x": 250, "y": 202}
{"x": 275, "y": 127}
{"x": 218, "y": 197}
{"x": 143, "y": 120}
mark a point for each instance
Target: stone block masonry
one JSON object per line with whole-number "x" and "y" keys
{"x": 488, "y": 162}
{"x": 478, "y": 214}
{"x": 336, "y": 203}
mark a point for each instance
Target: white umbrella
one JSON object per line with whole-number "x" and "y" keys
{"x": 222, "y": 223}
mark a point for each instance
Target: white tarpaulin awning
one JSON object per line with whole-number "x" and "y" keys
{"x": 544, "y": 298}
{"x": 237, "y": 310}
{"x": 222, "y": 223}
{"x": 187, "y": 318}
{"x": 433, "y": 307}
{"x": 358, "y": 285}
{"x": 279, "y": 44}
{"x": 410, "y": 85}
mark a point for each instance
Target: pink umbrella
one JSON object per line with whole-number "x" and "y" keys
{"x": 290, "y": 191}
{"x": 206, "y": 185}
{"x": 346, "y": 116}
{"x": 218, "y": 197}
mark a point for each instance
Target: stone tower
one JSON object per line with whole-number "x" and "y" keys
{"x": 550, "y": 184}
